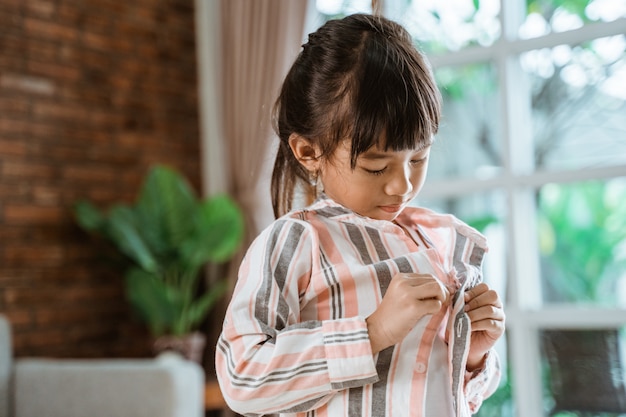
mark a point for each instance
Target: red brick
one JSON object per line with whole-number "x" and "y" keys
{"x": 89, "y": 173}
{"x": 47, "y": 316}
{"x": 14, "y": 193}
{"x": 47, "y": 29}
{"x": 13, "y": 6}
{"x": 71, "y": 13}
{"x": 42, "y": 338}
{"x": 17, "y": 107}
{"x": 12, "y": 147}
{"x": 42, "y": 8}
{"x": 45, "y": 195}
{"x": 93, "y": 93}
{"x": 41, "y": 256}
{"x": 30, "y": 214}
{"x": 10, "y": 20}
{"x": 106, "y": 42}
{"x": 54, "y": 296}
{"x": 66, "y": 73}
{"x": 23, "y": 169}
{"x": 19, "y": 318}
{"x": 63, "y": 112}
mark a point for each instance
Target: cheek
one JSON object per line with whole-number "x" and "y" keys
{"x": 419, "y": 178}
{"x": 334, "y": 179}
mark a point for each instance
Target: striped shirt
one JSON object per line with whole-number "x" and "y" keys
{"x": 295, "y": 340}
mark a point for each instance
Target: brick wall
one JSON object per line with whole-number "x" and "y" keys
{"x": 92, "y": 92}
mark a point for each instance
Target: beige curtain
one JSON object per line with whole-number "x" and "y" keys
{"x": 260, "y": 40}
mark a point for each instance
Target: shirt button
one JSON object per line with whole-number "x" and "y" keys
{"x": 420, "y": 368}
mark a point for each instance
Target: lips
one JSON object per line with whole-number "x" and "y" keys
{"x": 392, "y": 208}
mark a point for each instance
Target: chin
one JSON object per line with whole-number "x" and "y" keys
{"x": 385, "y": 216}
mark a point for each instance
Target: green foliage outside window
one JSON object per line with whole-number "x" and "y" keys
{"x": 582, "y": 238}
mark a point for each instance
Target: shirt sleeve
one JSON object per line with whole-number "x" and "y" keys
{"x": 482, "y": 382}
{"x": 268, "y": 360}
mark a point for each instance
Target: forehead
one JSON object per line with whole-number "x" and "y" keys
{"x": 343, "y": 152}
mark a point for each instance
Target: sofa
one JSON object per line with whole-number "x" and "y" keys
{"x": 166, "y": 386}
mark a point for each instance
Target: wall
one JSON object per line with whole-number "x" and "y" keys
{"x": 92, "y": 92}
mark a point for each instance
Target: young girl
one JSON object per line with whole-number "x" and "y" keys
{"x": 359, "y": 305}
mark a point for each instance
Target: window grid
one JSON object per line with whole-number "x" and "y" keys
{"x": 526, "y": 316}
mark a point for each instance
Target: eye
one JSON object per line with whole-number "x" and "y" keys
{"x": 375, "y": 172}
{"x": 418, "y": 161}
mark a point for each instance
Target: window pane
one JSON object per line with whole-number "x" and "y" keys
{"x": 546, "y": 16}
{"x": 442, "y": 26}
{"x": 582, "y": 240}
{"x": 579, "y": 102}
{"x": 468, "y": 143}
{"x": 336, "y": 9}
{"x": 584, "y": 372}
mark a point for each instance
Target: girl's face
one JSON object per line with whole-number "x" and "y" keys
{"x": 381, "y": 184}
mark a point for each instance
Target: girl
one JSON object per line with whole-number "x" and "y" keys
{"x": 359, "y": 305}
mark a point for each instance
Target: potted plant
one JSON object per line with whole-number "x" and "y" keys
{"x": 168, "y": 236}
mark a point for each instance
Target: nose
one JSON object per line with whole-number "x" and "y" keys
{"x": 400, "y": 182}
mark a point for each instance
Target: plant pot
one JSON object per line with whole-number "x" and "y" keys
{"x": 190, "y": 346}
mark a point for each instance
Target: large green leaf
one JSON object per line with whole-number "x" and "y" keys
{"x": 165, "y": 209}
{"x": 88, "y": 216}
{"x": 148, "y": 294}
{"x": 123, "y": 231}
{"x": 218, "y": 231}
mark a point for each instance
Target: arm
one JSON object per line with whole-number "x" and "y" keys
{"x": 268, "y": 360}
{"x": 483, "y": 381}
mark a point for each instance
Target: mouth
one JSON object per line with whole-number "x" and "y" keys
{"x": 393, "y": 208}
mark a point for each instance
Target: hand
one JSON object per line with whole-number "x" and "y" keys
{"x": 409, "y": 297}
{"x": 485, "y": 311}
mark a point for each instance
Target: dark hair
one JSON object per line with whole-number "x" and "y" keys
{"x": 361, "y": 78}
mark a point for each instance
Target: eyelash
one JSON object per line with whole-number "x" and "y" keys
{"x": 379, "y": 172}
{"x": 382, "y": 171}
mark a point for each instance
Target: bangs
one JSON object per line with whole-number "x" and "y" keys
{"x": 395, "y": 103}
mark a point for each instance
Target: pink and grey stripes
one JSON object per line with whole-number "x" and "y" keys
{"x": 295, "y": 341}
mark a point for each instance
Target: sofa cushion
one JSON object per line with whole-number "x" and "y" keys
{"x": 162, "y": 387}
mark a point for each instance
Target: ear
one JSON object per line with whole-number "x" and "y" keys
{"x": 307, "y": 153}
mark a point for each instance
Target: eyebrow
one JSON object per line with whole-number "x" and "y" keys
{"x": 378, "y": 155}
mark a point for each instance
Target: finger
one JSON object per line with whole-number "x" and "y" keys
{"x": 487, "y": 312}
{"x": 476, "y": 291}
{"x": 482, "y": 299}
{"x": 418, "y": 278}
{"x": 430, "y": 290}
{"x": 428, "y": 286}
{"x": 490, "y": 326}
{"x": 430, "y": 306}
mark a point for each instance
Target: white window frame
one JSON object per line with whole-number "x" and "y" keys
{"x": 526, "y": 315}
